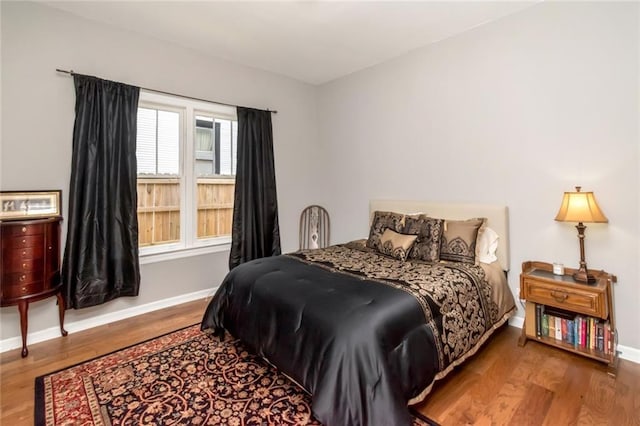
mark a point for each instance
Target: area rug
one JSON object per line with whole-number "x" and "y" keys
{"x": 185, "y": 377}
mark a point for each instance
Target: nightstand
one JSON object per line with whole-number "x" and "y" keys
{"x": 569, "y": 315}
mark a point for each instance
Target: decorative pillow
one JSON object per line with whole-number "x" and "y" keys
{"x": 458, "y": 243}
{"x": 486, "y": 245}
{"x": 396, "y": 245}
{"x": 429, "y": 232}
{"x": 415, "y": 214}
{"x": 380, "y": 222}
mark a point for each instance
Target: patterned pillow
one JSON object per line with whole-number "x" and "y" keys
{"x": 429, "y": 232}
{"x": 380, "y": 222}
{"x": 396, "y": 245}
{"x": 458, "y": 242}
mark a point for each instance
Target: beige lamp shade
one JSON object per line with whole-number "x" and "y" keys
{"x": 580, "y": 207}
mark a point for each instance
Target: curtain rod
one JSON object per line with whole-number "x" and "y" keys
{"x": 71, "y": 72}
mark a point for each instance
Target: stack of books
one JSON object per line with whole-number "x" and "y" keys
{"x": 581, "y": 331}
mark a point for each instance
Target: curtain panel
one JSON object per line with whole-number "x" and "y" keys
{"x": 101, "y": 253}
{"x": 255, "y": 232}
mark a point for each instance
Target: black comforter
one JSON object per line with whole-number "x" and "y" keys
{"x": 343, "y": 324}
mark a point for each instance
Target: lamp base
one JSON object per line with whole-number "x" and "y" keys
{"x": 584, "y": 277}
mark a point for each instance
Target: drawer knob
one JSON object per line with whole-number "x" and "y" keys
{"x": 50, "y": 248}
{"x": 24, "y": 252}
{"x": 24, "y": 229}
{"x": 25, "y": 266}
{"x": 23, "y": 277}
{"x": 560, "y": 296}
{"x": 24, "y": 289}
{"x": 24, "y": 241}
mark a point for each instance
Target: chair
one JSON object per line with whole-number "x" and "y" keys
{"x": 314, "y": 228}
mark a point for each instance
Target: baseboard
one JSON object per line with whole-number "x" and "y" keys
{"x": 629, "y": 353}
{"x": 54, "y": 332}
{"x": 624, "y": 352}
{"x": 517, "y": 322}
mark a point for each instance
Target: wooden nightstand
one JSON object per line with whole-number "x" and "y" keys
{"x": 563, "y": 313}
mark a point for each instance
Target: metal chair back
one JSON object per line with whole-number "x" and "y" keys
{"x": 314, "y": 227}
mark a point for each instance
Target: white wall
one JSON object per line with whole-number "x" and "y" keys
{"x": 38, "y": 115}
{"x": 514, "y": 112}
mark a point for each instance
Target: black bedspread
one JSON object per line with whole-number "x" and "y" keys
{"x": 361, "y": 345}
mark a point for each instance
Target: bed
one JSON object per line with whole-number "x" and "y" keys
{"x": 368, "y": 326}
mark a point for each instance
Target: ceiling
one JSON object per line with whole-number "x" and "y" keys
{"x": 311, "y": 41}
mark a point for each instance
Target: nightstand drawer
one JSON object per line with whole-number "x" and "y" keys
{"x": 573, "y": 298}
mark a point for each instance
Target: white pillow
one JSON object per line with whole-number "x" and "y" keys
{"x": 486, "y": 245}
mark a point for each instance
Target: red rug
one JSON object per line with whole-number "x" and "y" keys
{"x": 183, "y": 378}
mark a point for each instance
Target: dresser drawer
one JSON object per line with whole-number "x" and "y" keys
{"x": 34, "y": 229}
{"x": 10, "y": 279}
{"x": 589, "y": 302}
{"x": 22, "y": 242}
{"x": 18, "y": 254}
{"x": 22, "y": 265}
{"x": 14, "y": 291}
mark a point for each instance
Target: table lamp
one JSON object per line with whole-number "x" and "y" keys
{"x": 581, "y": 207}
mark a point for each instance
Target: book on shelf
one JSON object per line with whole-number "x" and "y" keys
{"x": 557, "y": 312}
{"x": 558, "y": 328}
{"x": 580, "y": 331}
{"x": 539, "y": 309}
{"x": 545, "y": 325}
{"x": 600, "y": 336}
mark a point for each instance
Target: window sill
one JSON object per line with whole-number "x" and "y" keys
{"x": 182, "y": 253}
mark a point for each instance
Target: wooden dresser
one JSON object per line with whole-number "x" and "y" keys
{"x": 30, "y": 260}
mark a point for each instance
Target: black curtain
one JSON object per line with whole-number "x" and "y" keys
{"x": 101, "y": 254}
{"x": 255, "y": 230}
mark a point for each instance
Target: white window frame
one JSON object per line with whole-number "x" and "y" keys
{"x": 189, "y": 244}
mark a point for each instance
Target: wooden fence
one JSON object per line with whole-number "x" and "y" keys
{"x": 215, "y": 206}
{"x": 159, "y": 209}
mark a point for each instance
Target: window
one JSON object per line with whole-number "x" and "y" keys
{"x": 186, "y": 153}
{"x": 215, "y": 169}
{"x": 216, "y": 142}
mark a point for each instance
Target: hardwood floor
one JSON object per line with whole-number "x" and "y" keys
{"x": 504, "y": 384}
{"x": 501, "y": 385}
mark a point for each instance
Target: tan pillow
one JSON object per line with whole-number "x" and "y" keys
{"x": 396, "y": 245}
{"x": 458, "y": 243}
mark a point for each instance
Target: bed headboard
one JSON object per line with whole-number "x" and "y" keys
{"x": 497, "y": 217}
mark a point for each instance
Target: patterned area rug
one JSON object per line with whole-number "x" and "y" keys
{"x": 183, "y": 378}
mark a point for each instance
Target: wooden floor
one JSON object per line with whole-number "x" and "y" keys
{"x": 504, "y": 384}
{"x": 501, "y": 385}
